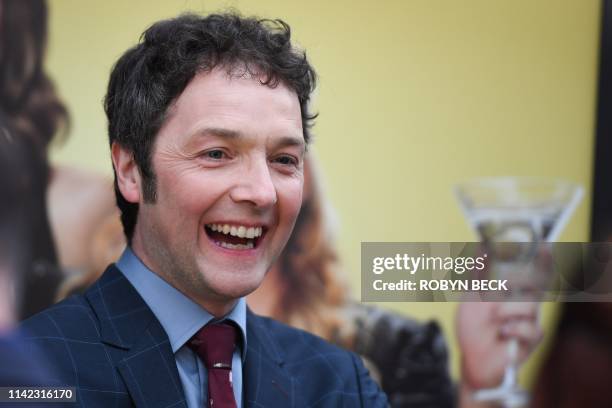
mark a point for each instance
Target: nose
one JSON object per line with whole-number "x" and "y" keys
{"x": 255, "y": 185}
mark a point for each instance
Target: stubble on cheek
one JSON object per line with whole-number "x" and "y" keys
{"x": 185, "y": 272}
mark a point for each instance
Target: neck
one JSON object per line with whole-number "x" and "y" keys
{"x": 218, "y": 310}
{"x": 216, "y": 305}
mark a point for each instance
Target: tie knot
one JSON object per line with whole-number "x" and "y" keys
{"x": 215, "y": 344}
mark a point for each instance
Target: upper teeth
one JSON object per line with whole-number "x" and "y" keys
{"x": 237, "y": 230}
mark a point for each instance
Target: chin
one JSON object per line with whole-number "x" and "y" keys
{"x": 237, "y": 287}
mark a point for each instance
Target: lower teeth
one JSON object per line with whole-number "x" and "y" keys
{"x": 235, "y": 246}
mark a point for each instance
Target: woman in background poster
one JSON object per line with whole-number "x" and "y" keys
{"x": 31, "y": 114}
{"x": 56, "y": 212}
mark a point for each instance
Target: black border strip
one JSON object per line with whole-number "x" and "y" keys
{"x": 601, "y": 218}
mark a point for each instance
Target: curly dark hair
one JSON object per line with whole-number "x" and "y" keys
{"x": 27, "y": 95}
{"x": 151, "y": 75}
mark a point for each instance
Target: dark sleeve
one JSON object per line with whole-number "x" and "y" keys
{"x": 370, "y": 393}
{"x": 411, "y": 358}
{"x": 20, "y": 365}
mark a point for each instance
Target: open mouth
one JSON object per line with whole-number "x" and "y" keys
{"x": 238, "y": 237}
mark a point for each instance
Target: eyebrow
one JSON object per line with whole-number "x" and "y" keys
{"x": 219, "y": 132}
{"x": 283, "y": 141}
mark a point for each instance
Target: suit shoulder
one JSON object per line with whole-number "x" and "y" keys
{"x": 326, "y": 374}
{"x": 304, "y": 352}
{"x": 70, "y": 318}
{"x": 291, "y": 339}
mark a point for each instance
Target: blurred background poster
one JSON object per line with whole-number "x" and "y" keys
{"x": 414, "y": 96}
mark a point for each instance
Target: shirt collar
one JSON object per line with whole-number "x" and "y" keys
{"x": 180, "y": 316}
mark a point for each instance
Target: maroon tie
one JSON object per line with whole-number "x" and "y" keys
{"x": 215, "y": 344}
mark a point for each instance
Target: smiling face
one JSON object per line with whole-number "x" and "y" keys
{"x": 229, "y": 175}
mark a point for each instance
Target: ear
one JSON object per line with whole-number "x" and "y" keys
{"x": 128, "y": 176}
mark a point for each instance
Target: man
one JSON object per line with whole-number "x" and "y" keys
{"x": 208, "y": 126}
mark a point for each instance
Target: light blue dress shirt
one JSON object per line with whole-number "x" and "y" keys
{"x": 181, "y": 318}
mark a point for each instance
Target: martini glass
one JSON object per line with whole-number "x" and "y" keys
{"x": 520, "y": 214}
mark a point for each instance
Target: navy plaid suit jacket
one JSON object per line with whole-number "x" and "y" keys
{"x": 109, "y": 345}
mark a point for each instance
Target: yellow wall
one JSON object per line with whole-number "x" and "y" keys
{"x": 414, "y": 96}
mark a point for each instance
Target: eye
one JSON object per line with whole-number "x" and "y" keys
{"x": 286, "y": 160}
{"x": 215, "y": 154}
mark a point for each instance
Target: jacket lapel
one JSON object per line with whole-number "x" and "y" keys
{"x": 139, "y": 346}
{"x": 266, "y": 382}
{"x": 141, "y": 351}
